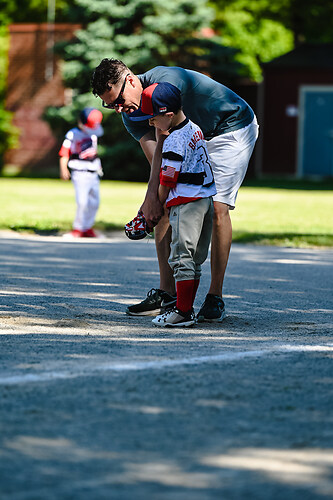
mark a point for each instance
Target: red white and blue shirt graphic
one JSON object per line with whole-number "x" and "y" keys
{"x": 185, "y": 165}
{"x": 80, "y": 147}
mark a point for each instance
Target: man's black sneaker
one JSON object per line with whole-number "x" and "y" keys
{"x": 156, "y": 302}
{"x": 212, "y": 310}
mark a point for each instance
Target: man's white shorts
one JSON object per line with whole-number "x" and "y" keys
{"x": 230, "y": 154}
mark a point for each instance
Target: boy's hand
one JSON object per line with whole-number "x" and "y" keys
{"x": 65, "y": 174}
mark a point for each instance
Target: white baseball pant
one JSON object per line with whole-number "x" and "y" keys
{"x": 86, "y": 185}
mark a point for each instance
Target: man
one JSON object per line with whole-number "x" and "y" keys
{"x": 230, "y": 129}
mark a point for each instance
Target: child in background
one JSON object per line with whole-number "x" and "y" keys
{"x": 187, "y": 186}
{"x": 79, "y": 162}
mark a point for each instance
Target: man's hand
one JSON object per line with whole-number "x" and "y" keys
{"x": 152, "y": 209}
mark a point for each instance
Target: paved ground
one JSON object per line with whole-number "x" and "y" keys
{"x": 98, "y": 405}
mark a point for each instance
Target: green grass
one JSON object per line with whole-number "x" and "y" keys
{"x": 288, "y": 214}
{"x": 288, "y": 217}
{"x": 48, "y": 205}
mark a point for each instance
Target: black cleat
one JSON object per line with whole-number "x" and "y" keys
{"x": 156, "y": 302}
{"x": 212, "y": 310}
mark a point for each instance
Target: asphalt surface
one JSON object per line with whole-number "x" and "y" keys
{"x": 96, "y": 404}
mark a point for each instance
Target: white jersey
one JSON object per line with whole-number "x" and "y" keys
{"x": 81, "y": 150}
{"x": 185, "y": 165}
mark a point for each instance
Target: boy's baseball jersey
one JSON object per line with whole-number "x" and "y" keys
{"x": 185, "y": 166}
{"x": 81, "y": 150}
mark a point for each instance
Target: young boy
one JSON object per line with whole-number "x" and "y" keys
{"x": 79, "y": 161}
{"x": 186, "y": 186}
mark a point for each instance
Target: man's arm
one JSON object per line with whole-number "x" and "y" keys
{"x": 151, "y": 207}
{"x": 148, "y": 145}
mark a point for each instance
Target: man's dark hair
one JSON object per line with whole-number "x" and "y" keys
{"x": 107, "y": 73}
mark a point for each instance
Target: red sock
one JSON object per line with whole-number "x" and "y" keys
{"x": 195, "y": 288}
{"x": 185, "y": 294}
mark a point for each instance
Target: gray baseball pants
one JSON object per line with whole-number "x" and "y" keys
{"x": 191, "y": 225}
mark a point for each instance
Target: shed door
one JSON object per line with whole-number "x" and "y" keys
{"x": 315, "y": 144}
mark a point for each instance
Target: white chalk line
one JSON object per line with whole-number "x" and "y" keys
{"x": 159, "y": 364}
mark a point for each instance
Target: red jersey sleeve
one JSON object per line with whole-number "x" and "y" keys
{"x": 170, "y": 168}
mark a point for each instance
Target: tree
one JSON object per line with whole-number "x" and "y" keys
{"x": 143, "y": 33}
{"x": 251, "y": 27}
{"x": 265, "y": 29}
{"x": 34, "y": 11}
{"x": 309, "y": 20}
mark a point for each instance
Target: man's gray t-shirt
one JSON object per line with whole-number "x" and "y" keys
{"x": 209, "y": 104}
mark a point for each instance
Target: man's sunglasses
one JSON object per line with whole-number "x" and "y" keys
{"x": 120, "y": 100}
